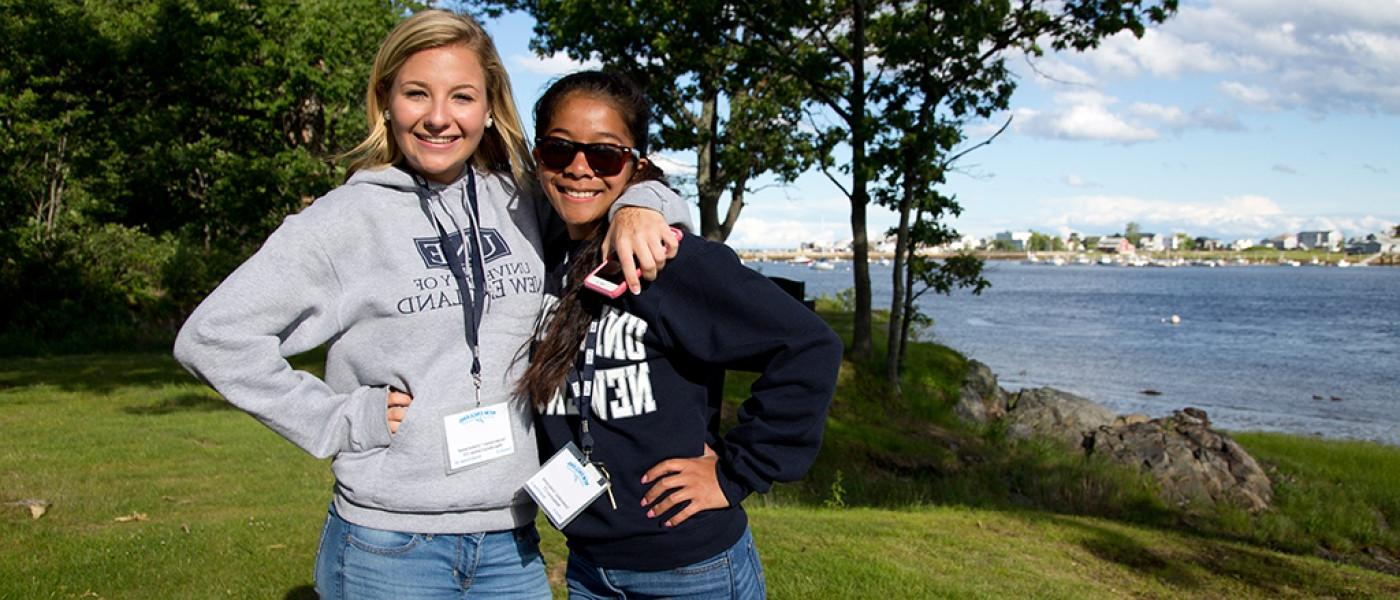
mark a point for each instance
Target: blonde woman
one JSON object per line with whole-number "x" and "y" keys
{"x": 423, "y": 274}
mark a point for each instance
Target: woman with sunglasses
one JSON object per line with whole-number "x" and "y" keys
{"x": 423, "y": 275}
{"x": 631, "y": 384}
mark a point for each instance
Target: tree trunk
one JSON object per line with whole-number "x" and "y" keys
{"x": 861, "y": 343}
{"x": 736, "y": 204}
{"x": 707, "y": 184}
{"x": 908, "y": 299}
{"x": 894, "y": 355}
{"x": 51, "y": 203}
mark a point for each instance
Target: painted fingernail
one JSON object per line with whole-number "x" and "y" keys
{"x": 668, "y": 524}
{"x": 651, "y": 515}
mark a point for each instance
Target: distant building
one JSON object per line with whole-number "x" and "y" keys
{"x": 1017, "y": 239}
{"x": 1176, "y": 242}
{"x": 886, "y": 245}
{"x": 1375, "y": 244}
{"x": 1116, "y": 245}
{"x": 1330, "y": 241}
{"x": 1151, "y": 242}
{"x": 1209, "y": 244}
{"x": 1284, "y": 241}
{"x": 1240, "y": 244}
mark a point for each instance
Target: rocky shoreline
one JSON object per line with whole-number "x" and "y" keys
{"x": 1192, "y": 462}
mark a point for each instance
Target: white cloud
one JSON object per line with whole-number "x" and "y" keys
{"x": 1076, "y": 181}
{"x": 1248, "y": 215}
{"x": 1089, "y": 115}
{"x": 752, "y": 232}
{"x": 1247, "y": 94}
{"x": 556, "y": 64}
{"x": 1050, "y": 70}
{"x": 1081, "y": 116}
{"x": 671, "y": 166}
{"x": 1294, "y": 54}
{"x": 1285, "y": 169}
{"x": 1158, "y": 52}
{"x": 1321, "y": 57}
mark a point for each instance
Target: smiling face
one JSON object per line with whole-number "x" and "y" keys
{"x": 578, "y": 194}
{"x": 438, "y": 108}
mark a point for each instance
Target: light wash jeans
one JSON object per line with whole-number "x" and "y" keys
{"x": 734, "y": 573}
{"x": 357, "y": 562}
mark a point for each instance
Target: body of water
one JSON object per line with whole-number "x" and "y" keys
{"x": 1258, "y": 347}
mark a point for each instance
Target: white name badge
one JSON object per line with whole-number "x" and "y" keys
{"x": 478, "y": 435}
{"x": 565, "y": 486}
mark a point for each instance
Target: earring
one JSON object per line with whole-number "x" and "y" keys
{"x": 386, "y": 115}
{"x": 490, "y": 121}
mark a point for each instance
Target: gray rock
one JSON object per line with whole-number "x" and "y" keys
{"x": 1191, "y": 462}
{"x": 1048, "y": 412}
{"x": 981, "y": 400}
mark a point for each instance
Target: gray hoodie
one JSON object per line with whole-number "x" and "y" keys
{"x": 361, "y": 270}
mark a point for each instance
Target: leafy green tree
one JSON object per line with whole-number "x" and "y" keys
{"x": 149, "y": 145}
{"x": 713, "y": 94}
{"x": 1040, "y": 242}
{"x": 1133, "y": 231}
{"x": 865, "y": 61}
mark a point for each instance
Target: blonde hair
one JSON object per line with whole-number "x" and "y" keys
{"x": 503, "y": 146}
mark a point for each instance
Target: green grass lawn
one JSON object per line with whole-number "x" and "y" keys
{"x": 159, "y": 490}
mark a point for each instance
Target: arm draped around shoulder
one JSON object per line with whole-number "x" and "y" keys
{"x": 281, "y": 302}
{"x": 656, "y": 196}
{"x": 720, "y": 312}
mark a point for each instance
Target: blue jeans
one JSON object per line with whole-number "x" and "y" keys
{"x": 359, "y": 562}
{"x": 734, "y": 573}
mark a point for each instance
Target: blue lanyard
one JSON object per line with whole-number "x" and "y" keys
{"x": 473, "y": 306}
{"x": 584, "y": 401}
{"x": 583, "y": 397}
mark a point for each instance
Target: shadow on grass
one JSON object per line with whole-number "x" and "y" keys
{"x": 1115, "y": 547}
{"x": 93, "y": 373}
{"x": 1267, "y": 572}
{"x": 301, "y": 592}
{"x": 187, "y": 402}
{"x": 105, "y": 373}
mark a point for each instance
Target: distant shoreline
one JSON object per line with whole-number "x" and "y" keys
{"x": 1253, "y": 257}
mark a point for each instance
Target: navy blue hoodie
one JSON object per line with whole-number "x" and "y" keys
{"x": 661, "y": 357}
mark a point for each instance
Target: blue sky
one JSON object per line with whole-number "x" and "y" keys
{"x": 1236, "y": 119}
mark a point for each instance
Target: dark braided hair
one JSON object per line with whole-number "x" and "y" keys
{"x": 555, "y": 345}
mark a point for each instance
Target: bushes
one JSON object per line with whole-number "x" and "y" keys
{"x": 101, "y": 286}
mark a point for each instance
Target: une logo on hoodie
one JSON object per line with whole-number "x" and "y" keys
{"x": 493, "y": 246}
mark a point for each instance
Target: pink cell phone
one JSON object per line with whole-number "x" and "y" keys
{"x": 607, "y": 278}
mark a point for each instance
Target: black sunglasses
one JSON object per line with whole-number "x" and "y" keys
{"x": 606, "y": 160}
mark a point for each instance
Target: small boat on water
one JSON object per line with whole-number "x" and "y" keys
{"x": 821, "y": 265}
{"x": 800, "y": 260}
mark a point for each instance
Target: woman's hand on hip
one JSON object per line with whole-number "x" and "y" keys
{"x": 643, "y": 241}
{"x": 687, "y": 479}
{"x": 397, "y": 408}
